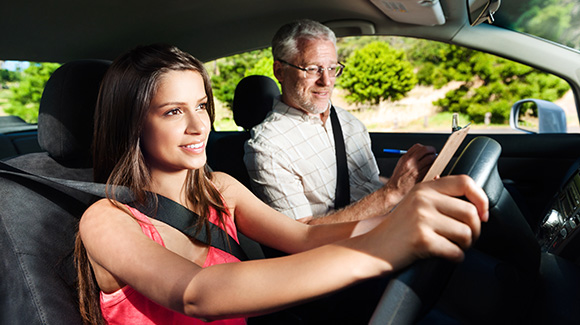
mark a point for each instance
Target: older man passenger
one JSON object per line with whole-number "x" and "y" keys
{"x": 291, "y": 156}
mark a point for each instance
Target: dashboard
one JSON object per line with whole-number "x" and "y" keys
{"x": 559, "y": 230}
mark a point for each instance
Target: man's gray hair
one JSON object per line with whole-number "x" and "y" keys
{"x": 285, "y": 42}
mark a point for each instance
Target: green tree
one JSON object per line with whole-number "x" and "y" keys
{"x": 377, "y": 72}
{"x": 9, "y": 76}
{"x": 347, "y": 45}
{"x": 496, "y": 84}
{"x": 548, "y": 21}
{"x": 440, "y": 63}
{"x": 263, "y": 68}
{"x": 25, "y": 99}
{"x": 490, "y": 84}
{"x": 556, "y": 20}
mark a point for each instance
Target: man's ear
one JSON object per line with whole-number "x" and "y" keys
{"x": 279, "y": 71}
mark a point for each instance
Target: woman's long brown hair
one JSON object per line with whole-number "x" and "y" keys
{"x": 124, "y": 98}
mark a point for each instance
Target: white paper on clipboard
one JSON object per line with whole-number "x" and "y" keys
{"x": 446, "y": 153}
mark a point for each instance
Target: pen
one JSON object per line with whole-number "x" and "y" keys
{"x": 397, "y": 151}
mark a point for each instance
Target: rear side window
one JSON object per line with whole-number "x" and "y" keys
{"x": 21, "y": 86}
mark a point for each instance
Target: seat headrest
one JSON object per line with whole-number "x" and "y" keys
{"x": 253, "y": 100}
{"x": 66, "y": 114}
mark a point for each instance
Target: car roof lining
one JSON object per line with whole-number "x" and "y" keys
{"x": 61, "y": 28}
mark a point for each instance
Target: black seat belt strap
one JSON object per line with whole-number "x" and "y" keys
{"x": 168, "y": 211}
{"x": 183, "y": 219}
{"x": 342, "y": 195}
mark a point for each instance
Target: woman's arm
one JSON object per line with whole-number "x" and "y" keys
{"x": 122, "y": 255}
{"x": 263, "y": 224}
{"x": 429, "y": 221}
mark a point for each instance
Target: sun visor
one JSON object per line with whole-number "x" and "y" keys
{"x": 417, "y": 12}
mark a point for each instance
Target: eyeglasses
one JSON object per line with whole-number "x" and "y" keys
{"x": 314, "y": 71}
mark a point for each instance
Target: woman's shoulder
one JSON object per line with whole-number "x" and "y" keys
{"x": 222, "y": 180}
{"x": 104, "y": 205}
{"x": 229, "y": 187}
{"x": 102, "y": 212}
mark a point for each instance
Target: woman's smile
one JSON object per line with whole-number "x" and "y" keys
{"x": 194, "y": 147}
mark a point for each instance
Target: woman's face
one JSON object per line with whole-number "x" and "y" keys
{"x": 177, "y": 124}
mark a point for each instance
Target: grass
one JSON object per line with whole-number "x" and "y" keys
{"x": 435, "y": 122}
{"x": 443, "y": 121}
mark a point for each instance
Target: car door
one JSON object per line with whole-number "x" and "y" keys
{"x": 531, "y": 166}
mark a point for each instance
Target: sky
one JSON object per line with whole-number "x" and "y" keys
{"x": 14, "y": 65}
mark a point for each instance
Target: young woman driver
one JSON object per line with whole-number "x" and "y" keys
{"x": 153, "y": 118}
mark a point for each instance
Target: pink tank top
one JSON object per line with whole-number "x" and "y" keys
{"x": 127, "y": 306}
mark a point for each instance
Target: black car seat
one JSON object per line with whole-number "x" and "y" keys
{"x": 39, "y": 220}
{"x": 253, "y": 100}
{"x": 65, "y": 122}
{"x": 38, "y": 223}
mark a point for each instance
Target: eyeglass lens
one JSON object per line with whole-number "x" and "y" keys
{"x": 314, "y": 71}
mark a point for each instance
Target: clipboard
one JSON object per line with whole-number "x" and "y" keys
{"x": 446, "y": 153}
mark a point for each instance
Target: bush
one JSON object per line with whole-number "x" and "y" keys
{"x": 377, "y": 72}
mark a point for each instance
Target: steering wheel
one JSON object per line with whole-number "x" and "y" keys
{"x": 414, "y": 291}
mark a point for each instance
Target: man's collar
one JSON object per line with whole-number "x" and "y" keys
{"x": 282, "y": 108}
{"x": 286, "y": 109}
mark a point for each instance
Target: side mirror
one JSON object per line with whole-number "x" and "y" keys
{"x": 482, "y": 10}
{"x": 537, "y": 116}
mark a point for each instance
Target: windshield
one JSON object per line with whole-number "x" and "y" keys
{"x": 554, "y": 20}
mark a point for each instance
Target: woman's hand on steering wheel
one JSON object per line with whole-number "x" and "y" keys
{"x": 433, "y": 220}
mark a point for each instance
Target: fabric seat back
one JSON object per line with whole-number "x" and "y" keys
{"x": 38, "y": 223}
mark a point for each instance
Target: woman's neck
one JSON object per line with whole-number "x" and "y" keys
{"x": 170, "y": 185}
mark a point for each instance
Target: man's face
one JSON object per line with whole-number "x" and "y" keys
{"x": 310, "y": 94}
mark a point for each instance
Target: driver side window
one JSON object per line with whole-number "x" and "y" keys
{"x": 414, "y": 85}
